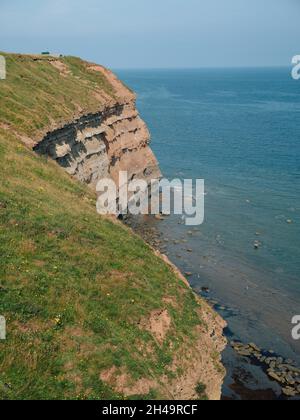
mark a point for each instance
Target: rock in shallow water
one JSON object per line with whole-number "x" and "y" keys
{"x": 255, "y": 347}
{"x": 289, "y": 392}
{"x": 278, "y": 370}
{"x": 274, "y": 376}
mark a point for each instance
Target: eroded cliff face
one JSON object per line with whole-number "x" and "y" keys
{"x": 100, "y": 145}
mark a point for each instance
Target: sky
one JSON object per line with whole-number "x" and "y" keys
{"x": 156, "y": 33}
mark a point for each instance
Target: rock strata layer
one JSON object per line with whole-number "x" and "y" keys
{"x": 100, "y": 145}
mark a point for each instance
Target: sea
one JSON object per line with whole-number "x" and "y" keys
{"x": 239, "y": 130}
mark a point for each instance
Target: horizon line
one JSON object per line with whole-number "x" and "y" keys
{"x": 249, "y": 67}
{"x": 156, "y": 68}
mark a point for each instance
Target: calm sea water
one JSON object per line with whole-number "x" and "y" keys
{"x": 240, "y": 131}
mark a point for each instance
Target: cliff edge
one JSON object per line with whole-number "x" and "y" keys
{"x": 93, "y": 131}
{"x": 91, "y": 311}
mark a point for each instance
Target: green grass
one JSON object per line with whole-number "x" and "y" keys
{"x": 73, "y": 285}
{"x": 35, "y": 94}
{"x": 201, "y": 391}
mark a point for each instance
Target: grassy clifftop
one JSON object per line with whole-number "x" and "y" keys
{"x": 40, "y": 91}
{"x": 91, "y": 312}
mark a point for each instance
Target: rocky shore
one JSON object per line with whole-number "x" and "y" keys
{"x": 282, "y": 371}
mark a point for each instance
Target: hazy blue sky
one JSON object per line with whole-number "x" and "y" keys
{"x": 156, "y": 33}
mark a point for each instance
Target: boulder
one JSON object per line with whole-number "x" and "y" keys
{"x": 274, "y": 376}
{"x": 289, "y": 392}
{"x": 255, "y": 347}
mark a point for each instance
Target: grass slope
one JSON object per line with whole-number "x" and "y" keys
{"x": 73, "y": 285}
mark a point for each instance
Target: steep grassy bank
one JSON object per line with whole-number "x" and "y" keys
{"x": 91, "y": 312}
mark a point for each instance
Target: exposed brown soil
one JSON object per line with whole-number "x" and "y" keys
{"x": 60, "y": 66}
{"x": 158, "y": 324}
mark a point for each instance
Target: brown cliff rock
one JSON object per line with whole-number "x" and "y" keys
{"x": 102, "y": 144}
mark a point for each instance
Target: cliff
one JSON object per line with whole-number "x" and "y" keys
{"x": 104, "y": 143}
{"x": 91, "y": 311}
{"x": 97, "y": 140}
